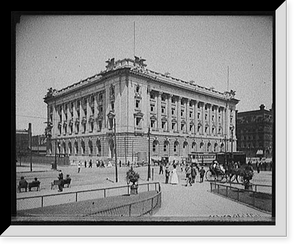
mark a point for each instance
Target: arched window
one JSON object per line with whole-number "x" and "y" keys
{"x": 155, "y": 146}
{"x": 208, "y": 146}
{"x": 176, "y": 144}
{"x": 166, "y": 146}
{"x": 194, "y": 146}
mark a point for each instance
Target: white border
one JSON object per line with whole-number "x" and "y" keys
{"x": 280, "y": 229}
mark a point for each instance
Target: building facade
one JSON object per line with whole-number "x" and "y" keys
{"x": 127, "y": 100}
{"x": 255, "y": 132}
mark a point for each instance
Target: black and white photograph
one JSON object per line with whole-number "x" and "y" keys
{"x": 145, "y": 119}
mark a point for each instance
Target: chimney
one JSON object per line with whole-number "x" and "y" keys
{"x": 262, "y": 107}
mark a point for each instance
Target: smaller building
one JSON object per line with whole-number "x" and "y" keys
{"x": 254, "y": 131}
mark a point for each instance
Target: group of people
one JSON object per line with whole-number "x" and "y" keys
{"x": 24, "y": 184}
{"x": 89, "y": 164}
{"x": 191, "y": 171}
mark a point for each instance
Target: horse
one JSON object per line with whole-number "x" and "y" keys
{"x": 241, "y": 173}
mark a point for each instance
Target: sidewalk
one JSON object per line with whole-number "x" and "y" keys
{"x": 197, "y": 201}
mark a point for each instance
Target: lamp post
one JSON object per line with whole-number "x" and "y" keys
{"x": 112, "y": 117}
{"x": 149, "y": 174}
{"x": 231, "y": 130}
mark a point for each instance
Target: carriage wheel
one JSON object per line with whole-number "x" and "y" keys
{"x": 219, "y": 177}
{"x": 209, "y": 176}
{"x": 240, "y": 179}
{"x": 225, "y": 178}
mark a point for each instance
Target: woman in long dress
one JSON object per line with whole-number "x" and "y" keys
{"x": 174, "y": 176}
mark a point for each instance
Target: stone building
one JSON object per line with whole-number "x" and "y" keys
{"x": 183, "y": 117}
{"x": 255, "y": 132}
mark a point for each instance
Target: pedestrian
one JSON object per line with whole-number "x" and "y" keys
{"x": 188, "y": 175}
{"x": 201, "y": 173}
{"x": 61, "y": 181}
{"x": 78, "y": 167}
{"x": 23, "y": 184}
{"x": 167, "y": 174}
{"x": 161, "y": 169}
{"x": 193, "y": 173}
{"x": 85, "y": 163}
{"x": 174, "y": 176}
{"x": 90, "y": 163}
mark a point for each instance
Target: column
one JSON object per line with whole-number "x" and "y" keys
{"x": 179, "y": 114}
{"x": 209, "y": 117}
{"x": 169, "y": 114}
{"x": 202, "y": 117}
{"x": 195, "y": 117}
{"x": 159, "y": 111}
{"x": 187, "y": 114}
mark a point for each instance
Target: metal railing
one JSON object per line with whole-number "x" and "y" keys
{"x": 138, "y": 208}
{"x": 260, "y": 200}
{"x": 81, "y": 195}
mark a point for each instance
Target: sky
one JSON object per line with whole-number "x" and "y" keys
{"x": 57, "y": 51}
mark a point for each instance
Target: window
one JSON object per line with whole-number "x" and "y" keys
{"x": 163, "y": 109}
{"x": 198, "y": 115}
{"x": 152, "y": 123}
{"x": 191, "y": 114}
{"x": 137, "y": 104}
{"x": 163, "y": 124}
{"x": 182, "y": 112}
{"x": 182, "y": 126}
{"x": 199, "y": 127}
{"x": 206, "y": 129}
{"x": 206, "y": 117}
{"x": 175, "y": 146}
{"x": 152, "y": 107}
{"x": 173, "y": 125}
{"x": 138, "y": 121}
{"x": 173, "y": 111}
{"x": 163, "y": 98}
{"x": 112, "y": 106}
{"x": 191, "y": 127}
{"x": 152, "y": 96}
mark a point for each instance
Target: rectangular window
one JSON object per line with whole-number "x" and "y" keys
{"x": 137, "y": 104}
{"x": 173, "y": 111}
{"x": 152, "y": 108}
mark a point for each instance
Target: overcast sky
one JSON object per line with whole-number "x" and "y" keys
{"x": 57, "y": 51}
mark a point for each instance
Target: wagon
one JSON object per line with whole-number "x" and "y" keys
{"x": 216, "y": 174}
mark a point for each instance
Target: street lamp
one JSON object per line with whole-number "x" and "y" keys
{"x": 112, "y": 118}
{"x": 231, "y": 130}
{"x": 149, "y": 174}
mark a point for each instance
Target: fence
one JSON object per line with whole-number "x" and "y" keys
{"x": 136, "y": 208}
{"x": 260, "y": 200}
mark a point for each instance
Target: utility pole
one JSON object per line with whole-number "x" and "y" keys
{"x": 149, "y": 172}
{"x": 30, "y": 144}
{"x": 116, "y": 159}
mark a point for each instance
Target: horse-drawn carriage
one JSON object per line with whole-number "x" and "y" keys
{"x": 218, "y": 172}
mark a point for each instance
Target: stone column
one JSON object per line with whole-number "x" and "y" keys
{"x": 169, "y": 112}
{"x": 187, "y": 114}
{"x": 195, "y": 117}
{"x": 179, "y": 114}
{"x": 159, "y": 111}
